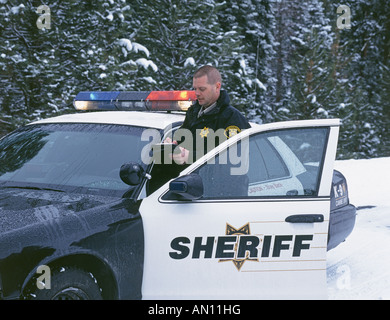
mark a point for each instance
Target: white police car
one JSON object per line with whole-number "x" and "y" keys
{"x": 84, "y": 196}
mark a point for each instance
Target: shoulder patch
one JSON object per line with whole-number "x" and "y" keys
{"x": 231, "y": 131}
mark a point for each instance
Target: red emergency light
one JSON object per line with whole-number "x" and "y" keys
{"x": 135, "y": 100}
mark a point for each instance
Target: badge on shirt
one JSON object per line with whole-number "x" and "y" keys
{"x": 231, "y": 131}
{"x": 204, "y": 132}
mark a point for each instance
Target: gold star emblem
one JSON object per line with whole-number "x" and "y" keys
{"x": 244, "y": 230}
{"x": 204, "y": 132}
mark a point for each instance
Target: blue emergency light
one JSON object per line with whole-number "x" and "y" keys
{"x": 135, "y": 100}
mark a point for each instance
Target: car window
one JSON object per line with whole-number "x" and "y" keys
{"x": 83, "y": 158}
{"x": 284, "y": 163}
{"x": 263, "y": 154}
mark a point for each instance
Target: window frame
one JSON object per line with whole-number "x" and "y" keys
{"x": 237, "y": 139}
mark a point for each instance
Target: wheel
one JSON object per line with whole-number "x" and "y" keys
{"x": 68, "y": 283}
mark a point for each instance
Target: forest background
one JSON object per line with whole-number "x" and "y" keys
{"x": 280, "y": 59}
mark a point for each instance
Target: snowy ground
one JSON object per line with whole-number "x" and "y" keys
{"x": 359, "y": 268}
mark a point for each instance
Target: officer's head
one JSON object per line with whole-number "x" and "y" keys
{"x": 207, "y": 83}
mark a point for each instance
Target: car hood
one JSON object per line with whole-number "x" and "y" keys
{"x": 20, "y": 207}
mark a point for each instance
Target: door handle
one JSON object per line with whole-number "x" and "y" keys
{"x": 305, "y": 218}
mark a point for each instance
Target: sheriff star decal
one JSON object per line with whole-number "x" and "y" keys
{"x": 204, "y": 132}
{"x": 244, "y": 230}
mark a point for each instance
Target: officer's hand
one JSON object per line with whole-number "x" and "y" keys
{"x": 169, "y": 140}
{"x": 182, "y": 157}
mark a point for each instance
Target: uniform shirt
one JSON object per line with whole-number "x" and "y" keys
{"x": 204, "y": 125}
{"x": 203, "y": 110}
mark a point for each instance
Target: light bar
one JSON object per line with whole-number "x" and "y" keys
{"x": 135, "y": 100}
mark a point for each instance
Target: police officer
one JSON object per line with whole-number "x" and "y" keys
{"x": 208, "y": 117}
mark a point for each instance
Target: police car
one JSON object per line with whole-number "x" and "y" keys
{"x": 88, "y": 210}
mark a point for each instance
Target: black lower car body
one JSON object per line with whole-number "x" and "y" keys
{"x": 79, "y": 246}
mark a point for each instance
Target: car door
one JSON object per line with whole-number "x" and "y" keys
{"x": 260, "y": 229}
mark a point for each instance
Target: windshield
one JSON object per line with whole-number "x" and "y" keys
{"x": 83, "y": 158}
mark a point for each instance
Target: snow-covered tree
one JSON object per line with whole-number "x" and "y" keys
{"x": 87, "y": 47}
{"x": 251, "y": 76}
{"x": 362, "y": 103}
{"x": 280, "y": 59}
{"x": 181, "y": 36}
{"x": 304, "y": 65}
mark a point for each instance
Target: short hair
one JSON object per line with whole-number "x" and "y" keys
{"x": 212, "y": 73}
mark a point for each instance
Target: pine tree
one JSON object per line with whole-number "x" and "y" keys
{"x": 183, "y": 36}
{"x": 252, "y": 78}
{"x": 284, "y": 11}
{"x": 310, "y": 72}
{"x": 384, "y": 147}
{"x": 311, "y": 39}
{"x": 21, "y": 61}
{"x": 363, "y": 133}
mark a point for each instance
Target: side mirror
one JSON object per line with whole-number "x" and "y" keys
{"x": 132, "y": 173}
{"x": 190, "y": 186}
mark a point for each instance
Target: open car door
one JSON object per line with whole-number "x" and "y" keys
{"x": 249, "y": 220}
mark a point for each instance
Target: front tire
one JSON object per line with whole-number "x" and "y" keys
{"x": 68, "y": 283}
